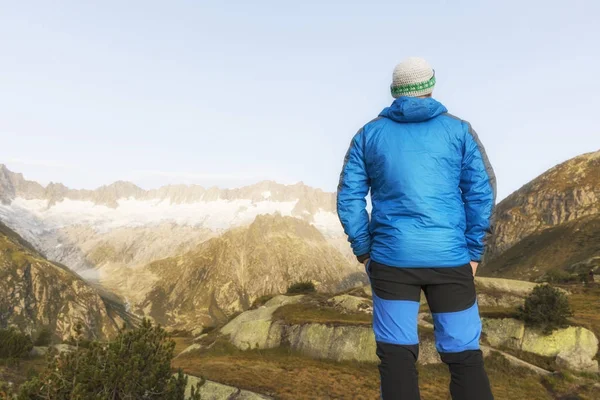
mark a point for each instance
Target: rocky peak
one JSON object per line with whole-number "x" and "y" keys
{"x": 565, "y": 193}
{"x": 13, "y": 184}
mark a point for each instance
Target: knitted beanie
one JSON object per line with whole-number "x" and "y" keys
{"x": 413, "y": 77}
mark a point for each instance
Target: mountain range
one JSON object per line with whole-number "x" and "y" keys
{"x": 191, "y": 257}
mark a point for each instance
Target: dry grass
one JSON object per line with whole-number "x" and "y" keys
{"x": 182, "y": 343}
{"x": 285, "y": 375}
{"x": 498, "y": 312}
{"x": 585, "y": 302}
{"x": 303, "y": 313}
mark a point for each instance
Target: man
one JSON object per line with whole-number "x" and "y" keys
{"x": 433, "y": 193}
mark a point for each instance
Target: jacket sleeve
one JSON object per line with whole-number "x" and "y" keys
{"x": 351, "y": 203}
{"x": 478, "y": 187}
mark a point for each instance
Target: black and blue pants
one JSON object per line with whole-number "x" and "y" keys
{"x": 451, "y": 296}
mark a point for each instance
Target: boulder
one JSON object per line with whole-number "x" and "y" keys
{"x": 571, "y": 339}
{"x": 339, "y": 343}
{"x": 507, "y": 286}
{"x": 39, "y": 351}
{"x": 216, "y": 391}
{"x": 64, "y": 348}
{"x": 201, "y": 337}
{"x": 576, "y": 361}
{"x": 254, "y": 329}
{"x": 191, "y": 348}
{"x": 503, "y": 332}
{"x": 499, "y": 300}
{"x": 352, "y": 304}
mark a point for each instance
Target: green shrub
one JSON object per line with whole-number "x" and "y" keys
{"x": 547, "y": 308}
{"x": 301, "y": 287}
{"x": 44, "y": 337}
{"x": 14, "y": 344}
{"x": 136, "y": 365}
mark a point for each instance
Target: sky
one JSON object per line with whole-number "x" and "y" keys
{"x": 229, "y": 93}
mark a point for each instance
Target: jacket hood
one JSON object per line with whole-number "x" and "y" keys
{"x": 413, "y": 109}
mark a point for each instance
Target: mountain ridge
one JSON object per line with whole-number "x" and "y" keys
{"x": 14, "y": 184}
{"x": 547, "y": 214}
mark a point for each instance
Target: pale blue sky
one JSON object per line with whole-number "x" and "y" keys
{"x": 231, "y": 92}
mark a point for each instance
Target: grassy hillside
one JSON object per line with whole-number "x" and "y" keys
{"x": 564, "y": 247}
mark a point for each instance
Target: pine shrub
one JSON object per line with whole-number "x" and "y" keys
{"x": 547, "y": 308}
{"x": 136, "y": 365}
{"x": 14, "y": 344}
{"x": 301, "y": 288}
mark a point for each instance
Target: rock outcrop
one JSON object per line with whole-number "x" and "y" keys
{"x": 573, "y": 347}
{"x": 254, "y": 329}
{"x": 216, "y": 391}
{"x": 553, "y": 222}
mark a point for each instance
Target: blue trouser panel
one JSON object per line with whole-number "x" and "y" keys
{"x": 391, "y": 329}
{"x": 457, "y": 331}
{"x": 451, "y": 296}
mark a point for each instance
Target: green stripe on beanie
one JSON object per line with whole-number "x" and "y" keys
{"x": 413, "y": 89}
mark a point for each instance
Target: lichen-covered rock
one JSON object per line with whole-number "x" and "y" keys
{"x": 577, "y": 361}
{"x": 217, "y": 391}
{"x": 339, "y": 343}
{"x": 503, "y": 332}
{"x": 572, "y": 339}
{"x": 254, "y": 329}
{"x": 504, "y": 286}
{"x": 64, "y": 348}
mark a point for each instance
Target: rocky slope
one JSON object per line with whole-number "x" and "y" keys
{"x": 36, "y": 294}
{"x": 226, "y": 274}
{"x": 552, "y": 222}
{"x": 338, "y": 328}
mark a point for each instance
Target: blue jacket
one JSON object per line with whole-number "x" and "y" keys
{"x": 432, "y": 188}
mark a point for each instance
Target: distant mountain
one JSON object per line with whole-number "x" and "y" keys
{"x": 124, "y": 224}
{"x": 36, "y": 294}
{"x": 227, "y": 273}
{"x": 551, "y": 223}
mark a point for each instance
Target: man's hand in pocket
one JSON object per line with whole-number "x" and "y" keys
{"x": 474, "y": 265}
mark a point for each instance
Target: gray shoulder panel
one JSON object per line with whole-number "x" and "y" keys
{"x": 484, "y": 156}
{"x": 486, "y": 161}
{"x": 341, "y": 180}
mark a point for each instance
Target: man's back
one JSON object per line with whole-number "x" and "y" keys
{"x": 416, "y": 160}
{"x": 433, "y": 193}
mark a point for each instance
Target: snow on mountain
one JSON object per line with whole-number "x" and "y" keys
{"x": 69, "y": 225}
